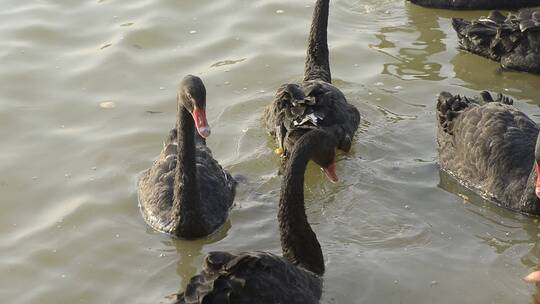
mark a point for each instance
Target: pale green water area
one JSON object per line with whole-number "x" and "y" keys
{"x": 70, "y": 228}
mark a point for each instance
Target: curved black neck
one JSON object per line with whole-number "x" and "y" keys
{"x": 186, "y": 199}
{"x": 298, "y": 242}
{"x": 317, "y": 62}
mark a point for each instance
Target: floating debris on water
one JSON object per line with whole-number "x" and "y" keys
{"x": 279, "y": 11}
{"x": 161, "y": 88}
{"x": 227, "y": 62}
{"x": 104, "y": 46}
{"x": 127, "y": 24}
{"x": 379, "y": 84}
{"x": 434, "y": 283}
{"x": 67, "y": 175}
{"x": 193, "y": 32}
{"x": 107, "y": 104}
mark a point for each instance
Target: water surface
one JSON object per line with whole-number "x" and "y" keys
{"x": 70, "y": 229}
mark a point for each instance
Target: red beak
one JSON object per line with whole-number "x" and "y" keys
{"x": 330, "y": 172}
{"x": 199, "y": 116}
{"x": 537, "y": 188}
{"x": 533, "y": 277}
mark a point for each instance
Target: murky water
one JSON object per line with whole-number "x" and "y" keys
{"x": 70, "y": 229}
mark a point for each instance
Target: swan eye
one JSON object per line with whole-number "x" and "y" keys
{"x": 189, "y": 97}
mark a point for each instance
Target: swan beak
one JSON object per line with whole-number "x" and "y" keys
{"x": 533, "y": 277}
{"x": 199, "y": 116}
{"x": 330, "y": 172}
{"x": 537, "y": 188}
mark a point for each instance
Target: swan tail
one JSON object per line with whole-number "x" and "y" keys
{"x": 317, "y": 60}
{"x": 209, "y": 286}
{"x": 494, "y": 36}
{"x": 449, "y": 107}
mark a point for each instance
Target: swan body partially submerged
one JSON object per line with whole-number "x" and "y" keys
{"x": 512, "y": 40}
{"x": 186, "y": 193}
{"x": 314, "y": 103}
{"x": 492, "y": 148}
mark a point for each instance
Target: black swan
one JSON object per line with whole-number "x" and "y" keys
{"x": 491, "y": 148}
{"x": 315, "y": 103}
{"x": 514, "y": 41}
{"x": 477, "y": 4}
{"x": 186, "y": 193}
{"x": 262, "y": 277}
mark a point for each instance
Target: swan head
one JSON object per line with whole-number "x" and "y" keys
{"x": 324, "y": 155}
{"x": 192, "y": 95}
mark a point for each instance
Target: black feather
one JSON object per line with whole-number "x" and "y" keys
{"x": 513, "y": 41}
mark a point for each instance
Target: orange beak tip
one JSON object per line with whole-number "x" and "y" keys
{"x": 330, "y": 172}
{"x": 199, "y": 116}
{"x": 533, "y": 277}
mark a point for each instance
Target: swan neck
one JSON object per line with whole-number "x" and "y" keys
{"x": 317, "y": 60}
{"x": 298, "y": 241}
{"x": 186, "y": 195}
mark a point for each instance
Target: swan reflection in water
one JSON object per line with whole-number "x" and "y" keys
{"x": 190, "y": 253}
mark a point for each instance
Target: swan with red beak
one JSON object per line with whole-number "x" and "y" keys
{"x": 186, "y": 192}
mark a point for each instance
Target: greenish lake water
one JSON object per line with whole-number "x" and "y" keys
{"x": 70, "y": 228}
